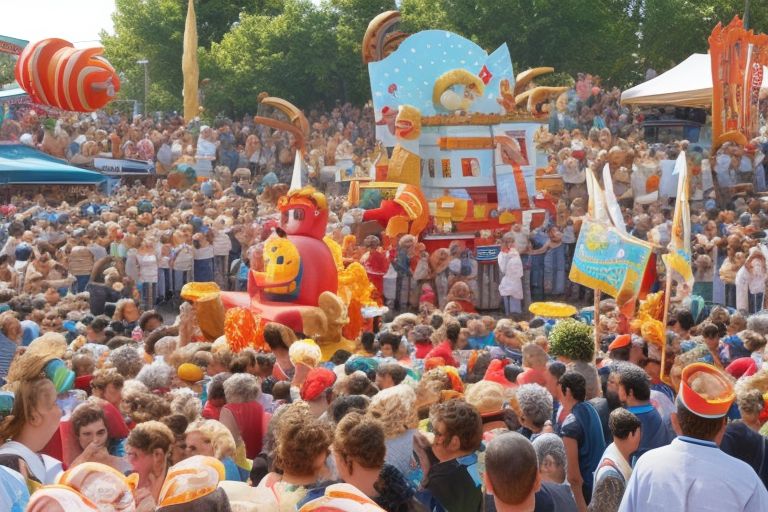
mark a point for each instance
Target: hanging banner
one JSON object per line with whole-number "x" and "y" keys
{"x": 737, "y": 58}
{"x": 610, "y": 261}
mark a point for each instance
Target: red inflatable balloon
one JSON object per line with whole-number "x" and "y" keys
{"x": 55, "y": 73}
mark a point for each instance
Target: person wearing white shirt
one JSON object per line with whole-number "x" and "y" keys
{"x": 692, "y": 474}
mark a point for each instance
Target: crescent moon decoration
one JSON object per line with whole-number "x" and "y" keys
{"x": 524, "y": 78}
{"x": 539, "y": 94}
{"x": 453, "y": 77}
{"x": 378, "y": 42}
{"x": 297, "y": 125}
{"x": 54, "y": 73}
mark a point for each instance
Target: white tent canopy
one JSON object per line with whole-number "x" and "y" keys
{"x": 689, "y": 84}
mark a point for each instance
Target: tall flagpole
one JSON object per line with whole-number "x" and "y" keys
{"x": 667, "y": 292}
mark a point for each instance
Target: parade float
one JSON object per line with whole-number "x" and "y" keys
{"x": 461, "y": 130}
{"x": 304, "y": 284}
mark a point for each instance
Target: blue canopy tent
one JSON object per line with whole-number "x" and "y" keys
{"x": 22, "y": 165}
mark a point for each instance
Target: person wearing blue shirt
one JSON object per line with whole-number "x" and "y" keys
{"x": 634, "y": 390}
{"x": 692, "y": 473}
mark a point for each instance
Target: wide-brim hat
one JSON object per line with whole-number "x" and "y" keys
{"x": 706, "y": 391}
{"x": 40, "y": 352}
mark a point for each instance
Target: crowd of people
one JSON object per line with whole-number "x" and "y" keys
{"x": 439, "y": 406}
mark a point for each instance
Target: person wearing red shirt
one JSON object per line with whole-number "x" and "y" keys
{"x": 445, "y": 348}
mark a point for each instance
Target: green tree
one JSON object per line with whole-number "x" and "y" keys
{"x": 418, "y": 15}
{"x": 292, "y": 55}
{"x": 154, "y": 30}
{"x": 671, "y": 30}
{"x": 7, "y": 67}
{"x": 352, "y": 18}
{"x": 597, "y": 36}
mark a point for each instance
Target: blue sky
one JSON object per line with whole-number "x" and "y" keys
{"x": 73, "y": 20}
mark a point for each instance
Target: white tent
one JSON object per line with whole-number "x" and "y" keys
{"x": 689, "y": 84}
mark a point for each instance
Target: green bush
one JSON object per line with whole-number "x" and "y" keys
{"x": 572, "y": 339}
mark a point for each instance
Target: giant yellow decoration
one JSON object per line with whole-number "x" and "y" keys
{"x": 189, "y": 65}
{"x": 282, "y": 264}
{"x": 405, "y": 165}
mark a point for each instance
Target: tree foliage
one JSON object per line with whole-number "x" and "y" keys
{"x": 310, "y": 53}
{"x": 154, "y": 30}
{"x": 291, "y": 55}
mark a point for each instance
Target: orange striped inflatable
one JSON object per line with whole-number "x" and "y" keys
{"x": 55, "y": 73}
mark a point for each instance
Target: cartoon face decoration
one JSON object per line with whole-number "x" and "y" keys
{"x": 304, "y": 212}
{"x": 408, "y": 123}
{"x": 282, "y": 264}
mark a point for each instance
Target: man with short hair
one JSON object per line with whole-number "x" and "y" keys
{"x": 634, "y": 389}
{"x": 682, "y": 324}
{"x": 389, "y": 375}
{"x": 614, "y": 469}
{"x": 582, "y": 435}
{"x": 692, "y": 473}
{"x": 511, "y": 473}
{"x": 455, "y": 481}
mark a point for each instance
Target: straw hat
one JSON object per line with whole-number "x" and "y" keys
{"x": 42, "y": 350}
{"x": 487, "y": 397}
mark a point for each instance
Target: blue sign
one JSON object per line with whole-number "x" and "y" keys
{"x": 487, "y": 253}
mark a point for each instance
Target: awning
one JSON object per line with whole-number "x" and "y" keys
{"x": 689, "y": 84}
{"x": 22, "y": 165}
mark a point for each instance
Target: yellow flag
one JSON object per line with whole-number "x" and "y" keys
{"x": 678, "y": 260}
{"x": 189, "y": 64}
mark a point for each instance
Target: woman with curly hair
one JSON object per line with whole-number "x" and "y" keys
{"x": 127, "y": 313}
{"x": 395, "y": 408}
{"x": 301, "y": 449}
{"x": 140, "y": 405}
{"x": 359, "y": 449}
{"x": 535, "y": 404}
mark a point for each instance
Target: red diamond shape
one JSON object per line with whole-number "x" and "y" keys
{"x": 485, "y": 75}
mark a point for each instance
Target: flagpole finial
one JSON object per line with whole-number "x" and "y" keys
{"x": 296, "y": 177}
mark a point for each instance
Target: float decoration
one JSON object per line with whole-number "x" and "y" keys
{"x": 296, "y": 123}
{"x": 552, "y": 309}
{"x": 448, "y": 109}
{"x": 380, "y": 40}
{"x": 189, "y": 65}
{"x": 737, "y": 58}
{"x": 287, "y": 292}
{"x": 242, "y": 330}
{"x": 56, "y": 74}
